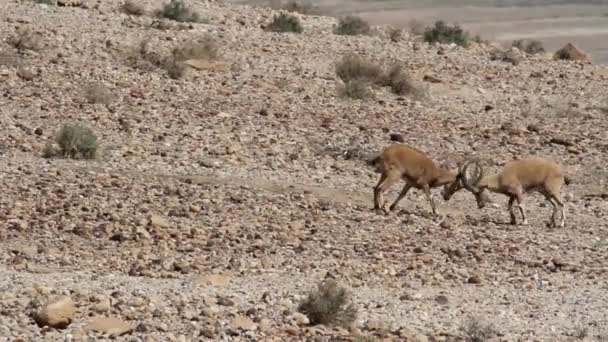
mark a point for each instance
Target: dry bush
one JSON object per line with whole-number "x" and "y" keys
{"x": 10, "y": 58}
{"x": 329, "y": 304}
{"x": 298, "y": 6}
{"x": 395, "y": 35}
{"x": 352, "y": 25}
{"x": 400, "y": 82}
{"x": 178, "y": 11}
{"x": 97, "y": 93}
{"x": 75, "y": 141}
{"x": 204, "y": 48}
{"x": 443, "y": 34}
{"x": 356, "y": 89}
{"x": 353, "y": 67}
{"x": 132, "y": 8}
{"x": 476, "y": 331}
{"x": 26, "y": 40}
{"x": 530, "y": 47}
{"x": 285, "y": 23}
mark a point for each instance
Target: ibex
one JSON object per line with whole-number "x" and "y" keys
{"x": 400, "y": 161}
{"x": 516, "y": 178}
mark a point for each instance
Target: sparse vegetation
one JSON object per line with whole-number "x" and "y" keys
{"x": 531, "y": 47}
{"x": 476, "y": 331}
{"x": 133, "y": 8}
{"x": 400, "y": 81}
{"x": 285, "y": 23}
{"x": 358, "y": 74}
{"x": 352, "y": 25}
{"x": 97, "y": 93}
{"x": 204, "y": 48}
{"x": 74, "y": 141}
{"x": 298, "y": 6}
{"x": 395, "y": 35}
{"x": 178, "y": 11}
{"x": 329, "y": 304}
{"x": 45, "y": 2}
{"x": 356, "y": 89}
{"x": 443, "y": 33}
{"x": 353, "y": 67}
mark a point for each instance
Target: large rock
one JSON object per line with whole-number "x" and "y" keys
{"x": 109, "y": 325}
{"x": 57, "y": 313}
{"x": 571, "y": 53}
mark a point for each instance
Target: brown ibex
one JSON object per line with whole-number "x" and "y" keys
{"x": 516, "y": 178}
{"x": 401, "y": 161}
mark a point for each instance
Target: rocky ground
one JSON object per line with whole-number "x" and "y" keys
{"x": 219, "y": 199}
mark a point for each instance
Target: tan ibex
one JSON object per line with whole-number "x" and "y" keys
{"x": 401, "y": 161}
{"x": 516, "y": 178}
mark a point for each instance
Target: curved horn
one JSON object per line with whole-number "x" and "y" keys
{"x": 471, "y": 183}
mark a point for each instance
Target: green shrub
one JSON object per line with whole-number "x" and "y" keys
{"x": 77, "y": 141}
{"x": 352, "y": 25}
{"x": 329, "y": 304}
{"x": 285, "y": 23}
{"x": 442, "y": 33}
{"x": 178, "y": 11}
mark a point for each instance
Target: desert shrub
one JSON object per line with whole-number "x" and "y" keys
{"x": 395, "y": 35}
{"x": 204, "y": 48}
{"x": 329, "y": 304}
{"x": 356, "y": 89}
{"x": 45, "y": 2}
{"x": 476, "y": 331}
{"x": 285, "y": 23}
{"x": 352, "y": 25}
{"x": 97, "y": 93}
{"x": 132, "y": 8}
{"x": 299, "y": 6}
{"x": 443, "y": 33}
{"x": 178, "y": 11}
{"x": 400, "y": 81}
{"x": 75, "y": 141}
{"x": 531, "y": 47}
{"x": 353, "y": 67}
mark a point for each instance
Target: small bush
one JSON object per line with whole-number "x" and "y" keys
{"x": 531, "y": 47}
{"x": 329, "y": 304}
{"x": 353, "y": 67}
{"x": 395, "y": 35}
{"x": 97, "y": 93}
{"x": 76, "y": 141}
{"x": 178, "y": 11}
{"x": 476, "y": 331}
{"x": 352, "y": 25}
{"x": 442, "y": 33}
{"x": 298, "y": 6}
{"x": 400, "y": 81}
{"x": 205, "y": 48}
{"x": 132, "y": 8}
{"x": 45, "y": 2}
{"x": 285, "y": 23}
{"x": 356, "y": 89}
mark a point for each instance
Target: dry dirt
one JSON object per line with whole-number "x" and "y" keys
{"x": 220, "y": 199}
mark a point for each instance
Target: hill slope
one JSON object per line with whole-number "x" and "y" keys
{"x": 240, "y": 169}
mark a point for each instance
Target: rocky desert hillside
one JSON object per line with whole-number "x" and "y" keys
{"x": 230, "y": 180}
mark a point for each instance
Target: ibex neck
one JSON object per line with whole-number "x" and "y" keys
{"x": 490, "y": 182}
